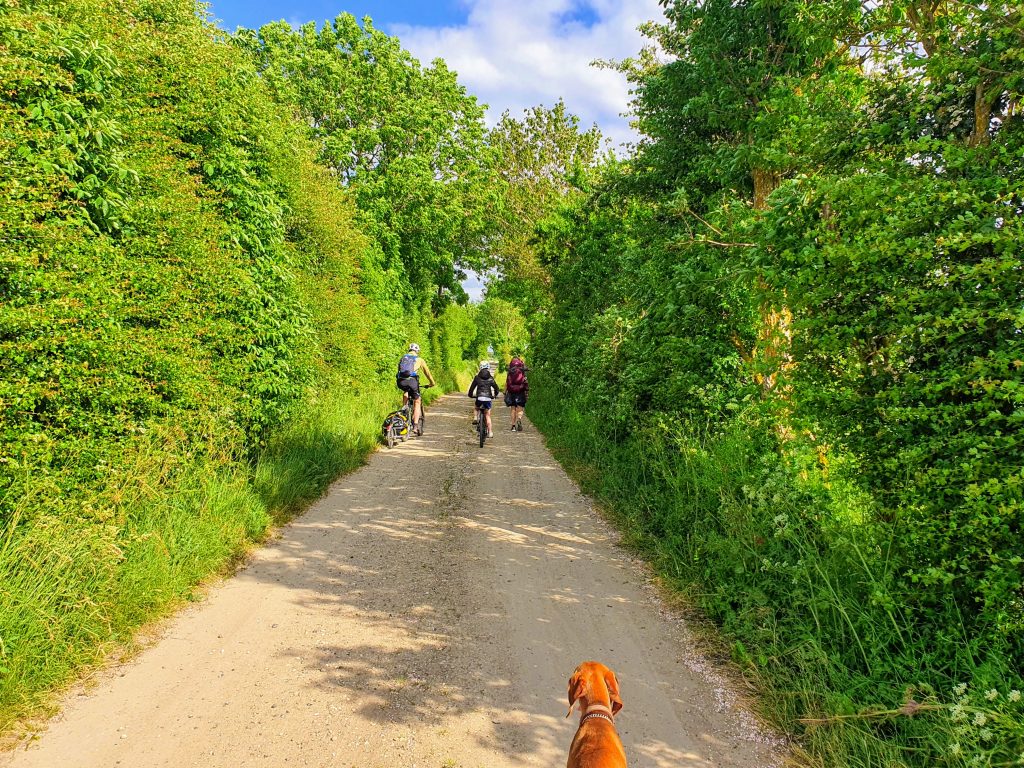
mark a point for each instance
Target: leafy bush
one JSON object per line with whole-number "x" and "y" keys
{"x": 196, "y": 335}
{"x": 798, "y": 311}
{"x": 906, "y": 347}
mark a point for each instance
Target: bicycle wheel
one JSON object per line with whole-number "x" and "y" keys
{"x": 390, "y": 437}
{"x": 481, "y": 427}
{"x": 423, "y": 414}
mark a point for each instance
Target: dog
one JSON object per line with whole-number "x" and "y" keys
{"x": 597, "y": 743}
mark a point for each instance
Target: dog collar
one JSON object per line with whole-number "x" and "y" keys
{"x": 602, "y": 715}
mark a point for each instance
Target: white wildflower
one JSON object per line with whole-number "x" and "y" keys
{"x": 991, "y": 694}
{"x": 957, "y": 712}
{"x": 1013, "y": 695}
{"x": 954, "y": 748}
{"x": 960, "y": 689}
{"x": 985, "y": 734}
{"x": 979, "y": 718}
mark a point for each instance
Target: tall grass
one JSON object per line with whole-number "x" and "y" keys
{"x": 72, "y": 586}
{"x": 78, "y": 577}
{"x": 329, "y": 438}
{"x": 777, "y": 552}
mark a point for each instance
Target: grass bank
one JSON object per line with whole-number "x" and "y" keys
{"x": 75, "y": 587}
{"x": 781, "y": 557}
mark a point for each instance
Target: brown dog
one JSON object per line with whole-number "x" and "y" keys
{"x": 597, "y": 743}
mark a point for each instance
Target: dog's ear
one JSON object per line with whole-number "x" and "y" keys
{"x": 613, "y": 691}
{"x": 577, "y": 687}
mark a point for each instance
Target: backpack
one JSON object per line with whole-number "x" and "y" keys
{"x": 407, "y": 366}
{"x": 485, "y": 385}
{"x": 516, "y": 381}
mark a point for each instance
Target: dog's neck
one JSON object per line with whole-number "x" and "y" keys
{"x": 596, "y": 708}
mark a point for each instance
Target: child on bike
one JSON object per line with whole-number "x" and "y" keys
{"x": 484, "y": 389}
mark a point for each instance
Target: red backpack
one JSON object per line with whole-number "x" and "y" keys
{"x": 516, "y": 381}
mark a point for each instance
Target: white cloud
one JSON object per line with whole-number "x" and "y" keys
{"x": 515, "y": 55}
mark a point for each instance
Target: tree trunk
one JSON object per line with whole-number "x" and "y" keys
{"x": 771, "y": 352}
{"x": 921, "y": 16}
{"x": 765, "y": 182}
{"x": 983, "y": 104}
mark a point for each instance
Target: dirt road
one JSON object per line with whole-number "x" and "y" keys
{"x": 427, "y": 612}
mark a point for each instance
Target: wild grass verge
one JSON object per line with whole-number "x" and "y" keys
{"x": 79, "y": 576}
{"x": 806, "y": 593}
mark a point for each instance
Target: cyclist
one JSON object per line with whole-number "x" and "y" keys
{"x": 484, "y": 389}
{"x": 516, "y": 390}
{"x": 408, "y": 380}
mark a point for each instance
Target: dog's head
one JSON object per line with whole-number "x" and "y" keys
{"x": 594, "y": 683}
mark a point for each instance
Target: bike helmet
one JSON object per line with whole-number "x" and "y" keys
{"x": 414, "y": 347}
{"x": 484, "y": 365}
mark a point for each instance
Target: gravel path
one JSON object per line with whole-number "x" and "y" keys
{"x": 426, "y": 612}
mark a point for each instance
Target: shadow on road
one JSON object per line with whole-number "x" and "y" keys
{"x": 418, "y": 559}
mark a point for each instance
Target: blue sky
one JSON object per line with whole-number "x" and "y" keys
{"x": 511, "y": 54}
{"x": 255, "y": 13}
{"x": 385, "y": 14}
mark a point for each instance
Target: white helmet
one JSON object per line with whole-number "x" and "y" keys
{"x": 484, "y": 365}
{"x": 414, "y": 347}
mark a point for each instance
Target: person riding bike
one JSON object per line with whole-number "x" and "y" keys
{"x": 484, "y": 389}
{"x": 516, "y": 390}
{"x": 408, "y": 380}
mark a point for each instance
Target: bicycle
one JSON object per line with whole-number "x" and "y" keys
{"x": 481, "y": 423}
{"x": 399, "y": 422}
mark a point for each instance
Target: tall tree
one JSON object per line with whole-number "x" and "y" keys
{"x": 541, "y": 161}
{"x": 407, "y": 139}
{"x": 967, "y": 55}
{"x": 720, "y": 113}
{"x": 501, "y": 329}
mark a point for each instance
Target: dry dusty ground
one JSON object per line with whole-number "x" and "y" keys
{"x": 427, "y": 612}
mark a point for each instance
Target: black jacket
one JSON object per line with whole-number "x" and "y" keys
{"x": 484, "y": 385}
